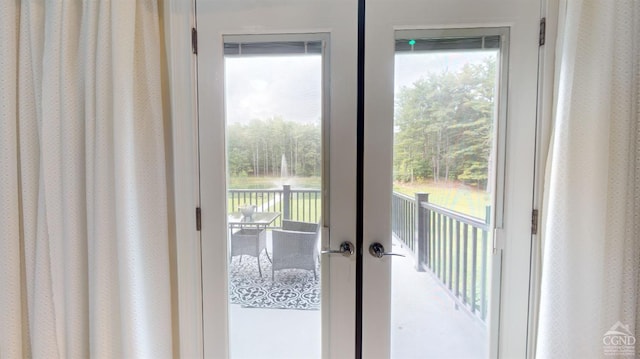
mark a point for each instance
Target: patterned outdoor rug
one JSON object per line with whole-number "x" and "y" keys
{"x": 291, "y": 289}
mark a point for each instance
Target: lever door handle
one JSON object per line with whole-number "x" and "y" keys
{"x": 377, "y": 250}
{"x": 346, "y": 249}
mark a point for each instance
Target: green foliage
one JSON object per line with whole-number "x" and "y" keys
{"x": 444, "y": 126}
{"x": 256, "y": 149}
{"x": 443, "y": 133}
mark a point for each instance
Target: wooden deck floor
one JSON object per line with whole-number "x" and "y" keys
{"x": 425, "y": 324}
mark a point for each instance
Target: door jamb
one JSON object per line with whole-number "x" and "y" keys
{"x": 550, "y": 11}
{"x": 178, "y": 18}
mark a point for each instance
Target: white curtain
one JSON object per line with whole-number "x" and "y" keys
{"x": 84, "y": 255}
{"x": 591, "y": 256}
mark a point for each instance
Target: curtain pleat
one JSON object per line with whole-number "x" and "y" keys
{"x": 11, "y": 329}
{"x": 83, "y": 221}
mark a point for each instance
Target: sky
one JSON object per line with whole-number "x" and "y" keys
{"x": 289, "y": 86}
{"x": 260, "y": 87}
{"x": 411, "y": 66}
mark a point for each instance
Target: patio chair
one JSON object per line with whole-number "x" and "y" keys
{"x": 295, "y": 246}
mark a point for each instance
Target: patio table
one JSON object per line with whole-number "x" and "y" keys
{"x": 259, "y": 220}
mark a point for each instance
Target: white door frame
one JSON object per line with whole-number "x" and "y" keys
{"x": 513, "y": 235}
{"x": 179, "y": 18}
{"x": 334, "y": 17}
{"x": 547, "y": 83}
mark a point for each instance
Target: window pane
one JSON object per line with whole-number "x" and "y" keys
{"x": 446, "y": 91}
{"x": 274, "y": 166}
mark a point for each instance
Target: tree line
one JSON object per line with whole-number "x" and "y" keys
{"x": 443, "y": 132}
{"x": 444, "y": 126}
{"x": 257, "y": 148}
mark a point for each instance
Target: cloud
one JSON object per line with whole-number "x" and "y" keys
{"x": 260, "y": 87}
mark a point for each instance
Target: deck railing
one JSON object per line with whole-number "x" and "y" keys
{"x": 403, "y": 223}
{"x": 451, "y": 245}
{"x": 296, "y": 204}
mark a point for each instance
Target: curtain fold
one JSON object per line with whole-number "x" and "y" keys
{"x": 83, "y": 222}
{"x": 11, "y": 329}
{"x": 591, "y": 251}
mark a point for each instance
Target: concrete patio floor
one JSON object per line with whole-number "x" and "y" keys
{"x": 425, "y": 324}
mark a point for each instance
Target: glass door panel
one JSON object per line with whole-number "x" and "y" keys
{"x": 276, "y": 103}
{"x": 277, "y": 141}
{"x": 273, "y": 102}
{"x": 447, "y": 91}
{"x": 448, "y": 161}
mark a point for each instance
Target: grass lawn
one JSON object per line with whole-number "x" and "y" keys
{"x": 452, "y": 195}
{"x": 274, "y": 182}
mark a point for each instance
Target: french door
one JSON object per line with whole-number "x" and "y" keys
{"x": 482, "y": 268}
{"x": 437, "y": 166}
